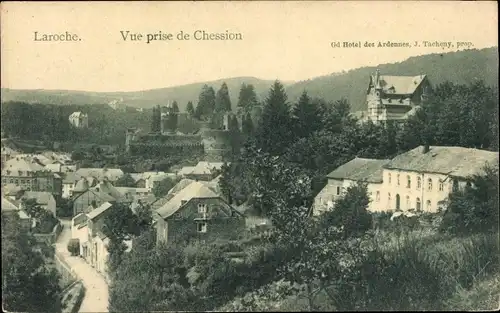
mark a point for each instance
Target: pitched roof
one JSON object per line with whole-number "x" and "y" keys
{"x": 195, "y": 190}
{"x": 453, "y": 161}
{"x": 107, "y": 188}
{"x": 183, "y": 183}
{"x": 204, "y": 167}
{"x": 399, "y": 85}
{"x": 186, "y": 170}
{"x": 70, "y": 178}
{"x": 77, "y": 114}
{"x": 8, "y": 205}
{"x": 359, "y": 169}
{"x": 82, "y": 185}
{"x": 101, "y": 173}
{"x": 22, "y": 164}
{"x": 98, "y": 211}
{"x": 41, "y": 197}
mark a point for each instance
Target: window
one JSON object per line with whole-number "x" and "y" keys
{"x": 419, "y": 183}
{"x": 202, "y": 227}
{"x": 11, "y": 181}
{"x": 428, "y": 205}
{"x": 397, "y": 177}
{"x": 418, "y": 204}
{"x": 455, "y": 185}
{"x": 429, "y": 184}
{"x": 441, "y": 185}
{"x": 17, "y": 181}
{"x": 407, "y": 202}
{"x": 377, "y": 197}
{"x": 389, "y": 178}
{"x": 23, "y": 181}
{"x": 338, "y": 190}
{"x": 202, "y": 208}
{"x": 408, "y": 181}
{"x": 389, "y": 200}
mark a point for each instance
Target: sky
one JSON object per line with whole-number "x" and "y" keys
{"x": 290, "y": 41}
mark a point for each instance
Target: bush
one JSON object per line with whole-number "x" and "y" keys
{"x": 474, "y": 209}
{"x": 74, "y": 246}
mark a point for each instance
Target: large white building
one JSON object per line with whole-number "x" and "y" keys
{"x": 79, "y": 120}
{"x": 420, "y": 179}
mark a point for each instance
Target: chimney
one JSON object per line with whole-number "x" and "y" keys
{"x": 425, "y": 149}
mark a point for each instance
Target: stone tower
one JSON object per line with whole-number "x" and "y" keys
{"x": 129, "y": 137}
{"x": 166, "y": 124}
{"x": 374, "y": 98}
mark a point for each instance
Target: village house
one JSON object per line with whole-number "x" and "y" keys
{"x": 69, "y": 181}
{"x": 111, "y": 174}
{"x": 356, "y": 170}
{"x": 204, "y": 171}
{"x": 79, "y": 120}
{"x": 42, "y": 199}
{"x": 419, "y": 179}
{"x": 422, "y": 178}
{"x": 85, "y": 198}
{"x": 87, "y": 228}
{"x": 197, "y": 212}
{"x": 7, "y": 154}
{"x": 395, "y": 97}
{"x": 31, "y": 176}
{"x": 10, "y": 206}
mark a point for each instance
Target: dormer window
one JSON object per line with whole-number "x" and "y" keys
{"x": 202, "y": 208}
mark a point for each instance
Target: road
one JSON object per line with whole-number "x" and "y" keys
{"x": 96, "y": 294}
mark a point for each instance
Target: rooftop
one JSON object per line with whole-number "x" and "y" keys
{"x": 359, "y": 169}
{"x": 453, "y": 161}
{"x": 40, "y": 197}
{"x": 100, "y": 173}
{"x": 195, "y": 190}
{"x": 398, "y": 85}
{"x": 98, "y": 211}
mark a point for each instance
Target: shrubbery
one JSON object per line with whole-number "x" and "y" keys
{"x": 74, "y": 246}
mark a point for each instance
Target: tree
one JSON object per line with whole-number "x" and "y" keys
{"x": 274, "y": 133}
{"x": 306, "y": 116}
{"x": 162, "y": 187}
{"x": 175, "y": 116}
{"x": 247, "y": 97}
{"x": 225, "y": 182}
{"x": 27, "y": 284}
{"x": 235, "y": 136}
{"x": 350, "y": 212}
{"x": 206, "y": 103}
{"x": 156, "y": 120}
{"x": 125, "y": 180}
{"x": 475, "y": 208}
{"x": 222, "y": 100}
{"x": 190, "y": 108}
{"x": 247, "y": 125}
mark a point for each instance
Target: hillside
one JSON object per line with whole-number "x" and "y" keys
{"x": 457, "y": 67}
{"x": 139, "y": 99}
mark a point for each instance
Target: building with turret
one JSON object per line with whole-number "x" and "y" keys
{"x": 394, "y": 97}
{"x": 79, "y": 120}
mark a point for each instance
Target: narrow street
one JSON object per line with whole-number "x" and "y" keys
{"x": 96, "y": 294}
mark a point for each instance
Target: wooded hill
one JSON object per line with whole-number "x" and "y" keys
{"x": 461, "y": 67}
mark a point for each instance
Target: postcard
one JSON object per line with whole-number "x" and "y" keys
{"x": 249, "y": 156}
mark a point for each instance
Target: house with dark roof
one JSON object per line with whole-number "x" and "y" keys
{"x": 395, "y": 98}
{"x": 43, "y": 199}
{"x": 420, "y": 179}
{"x": 356, "y": 170}
{"x": 197, "y": 213}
